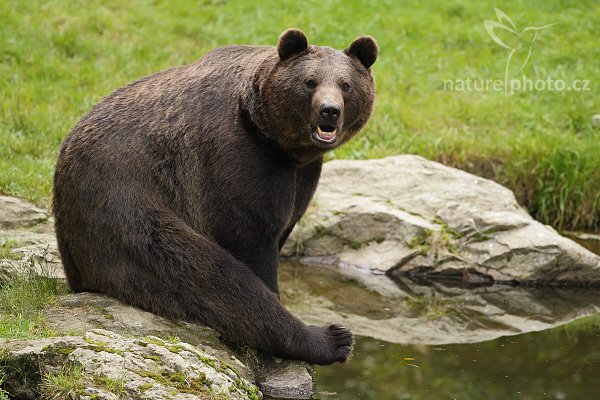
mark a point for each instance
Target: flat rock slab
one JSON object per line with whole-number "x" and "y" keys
{"x": 16, "y": 213}
{"x": 81, "y": 312}
{"x": 408, "y": 216}
{"x": 276, "y": 378}
{"x": 106, "y": 365}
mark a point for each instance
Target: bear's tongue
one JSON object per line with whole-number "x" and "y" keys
{"x": 326, "y": 133}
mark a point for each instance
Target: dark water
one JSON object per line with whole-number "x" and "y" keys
{"x": 590, "y": 241}
{"x": 560, "y": 363}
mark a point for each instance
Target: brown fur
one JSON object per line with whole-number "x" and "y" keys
{"x": 176, "y": 192}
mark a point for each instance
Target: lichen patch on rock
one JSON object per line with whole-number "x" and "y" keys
{"x": 114, "y": 366}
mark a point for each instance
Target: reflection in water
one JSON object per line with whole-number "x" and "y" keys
{"x": 407, "y": 312}
{"x": 513, "y": 341}
{"x": 560, "y": 363}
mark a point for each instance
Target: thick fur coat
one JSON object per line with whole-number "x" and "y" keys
{"x": 177, "y": 191}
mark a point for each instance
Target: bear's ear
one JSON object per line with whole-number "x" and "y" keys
{"x": 365, "y": 49}
{"x": 292, "y": 41}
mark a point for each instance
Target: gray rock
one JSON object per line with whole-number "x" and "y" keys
{"x": 596, "y": 120}
{"x": 405, "y": 215}
{"x": 78, "y": 313}
{"x": 31, "y": 228}
{"x": 16, "y": 213}
{"x": 285, "y": 381}
{"x": 82, "y": 312}
{"x": 107, "y": 365}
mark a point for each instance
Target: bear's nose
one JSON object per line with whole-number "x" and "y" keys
{"x": 330, "y": 112}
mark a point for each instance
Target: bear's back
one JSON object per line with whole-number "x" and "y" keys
{"x": 159, "y": 110}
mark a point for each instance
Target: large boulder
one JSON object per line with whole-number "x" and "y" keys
{"x": 407, "y": 216}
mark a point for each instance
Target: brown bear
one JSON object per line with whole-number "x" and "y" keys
{"x": 177, "y": 191}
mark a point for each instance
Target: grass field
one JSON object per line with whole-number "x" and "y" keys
{"x": 58, "y": 58}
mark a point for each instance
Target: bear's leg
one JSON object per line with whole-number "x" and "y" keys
{"x": 265, "y": 264}
{"x": 72, "y": 273}
{"x": 174, "y": 271}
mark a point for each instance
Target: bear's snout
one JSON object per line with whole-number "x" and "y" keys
{"x": 328, "y": 106}
{"x": 330, "y": 113}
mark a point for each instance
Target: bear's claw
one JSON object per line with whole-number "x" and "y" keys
{"x": 327, "y": 345}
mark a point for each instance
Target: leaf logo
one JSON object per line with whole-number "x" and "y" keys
{"x": 517, "y": 41}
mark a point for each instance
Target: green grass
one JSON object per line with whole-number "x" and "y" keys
{"x": 23, "y": 300}
{"x": 6, "y": 250}
{"x": 115, "y": 386}
{"x": 3, "y": 393}
{"x": 58, "y": 58}
{"x": 67, "y": 383}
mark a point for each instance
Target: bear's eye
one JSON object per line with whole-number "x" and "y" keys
{"x": 345, "y": 86}
{"x": 310, "y": 83}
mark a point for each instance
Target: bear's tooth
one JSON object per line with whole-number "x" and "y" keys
{"x": 325, "y": 136}
{"x": 319, "y": 130}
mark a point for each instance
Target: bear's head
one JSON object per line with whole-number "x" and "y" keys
{"x": 315, "y": 98}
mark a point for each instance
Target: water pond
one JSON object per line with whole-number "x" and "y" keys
{"x": 434, "y": 341}
{"x": 560, "y": 363}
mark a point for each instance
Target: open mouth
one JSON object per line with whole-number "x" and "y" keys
{"x": 325, "y": 134}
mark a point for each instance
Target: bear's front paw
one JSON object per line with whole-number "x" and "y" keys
{"x": 327, "y": 345}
